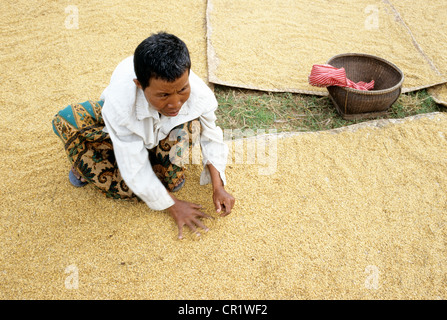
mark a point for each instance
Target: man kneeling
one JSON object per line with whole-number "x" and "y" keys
{"x": 133, "y": 143}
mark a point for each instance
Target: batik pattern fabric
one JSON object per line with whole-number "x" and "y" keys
{"x": 90, "y": 150}
{"x": 168, "y": 159}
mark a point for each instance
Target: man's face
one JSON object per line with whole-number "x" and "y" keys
{"x": 167, "y": 97}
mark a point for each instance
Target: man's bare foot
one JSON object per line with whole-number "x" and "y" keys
{"x": 179, "y": 184}
{"x": 76, "y": 179}
{"x": 77, "y": 175}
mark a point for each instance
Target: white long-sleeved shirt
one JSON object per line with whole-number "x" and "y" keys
{"x": 135, "y": 126}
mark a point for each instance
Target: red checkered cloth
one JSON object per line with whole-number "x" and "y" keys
{"x": 324, "y": 75}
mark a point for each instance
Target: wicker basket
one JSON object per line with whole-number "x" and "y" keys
{"x": 354, "y": 104}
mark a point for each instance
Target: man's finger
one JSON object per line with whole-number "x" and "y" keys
{"x": 193, "y": 228}
{"x": 231, "y": 204}
{"x": 227, "y": 207}
{"x": 196, "y": 206}
{"x": 201, "y": 225}
{"x": 218, "y": 206}
{"x": 180, "y": 232}
{"x": 204, "y": 215}
{"x": 224, "y": 212}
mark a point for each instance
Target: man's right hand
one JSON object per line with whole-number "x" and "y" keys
{"x": 187, "y": 213}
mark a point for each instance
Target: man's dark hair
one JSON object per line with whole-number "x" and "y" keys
{"x": 161, "y": 56}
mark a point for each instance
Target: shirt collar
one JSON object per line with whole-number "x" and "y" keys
{"x": 142, "y": 107}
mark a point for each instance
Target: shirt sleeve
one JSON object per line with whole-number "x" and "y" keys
{"x": 134, "y": 165}
{"x": 214, "y": 150}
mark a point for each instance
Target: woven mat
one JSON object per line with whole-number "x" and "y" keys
{"x": 272, "y": 45}
{"x": 439, "y": 94}
{"x": 427, "y": 29}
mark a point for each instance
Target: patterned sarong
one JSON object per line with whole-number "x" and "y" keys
{"x": 90, "y": 150}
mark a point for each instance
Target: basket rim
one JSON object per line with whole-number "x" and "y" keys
{"x": 372, "y": 92}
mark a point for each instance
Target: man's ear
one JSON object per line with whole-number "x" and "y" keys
{"x": 137, "y": 83}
